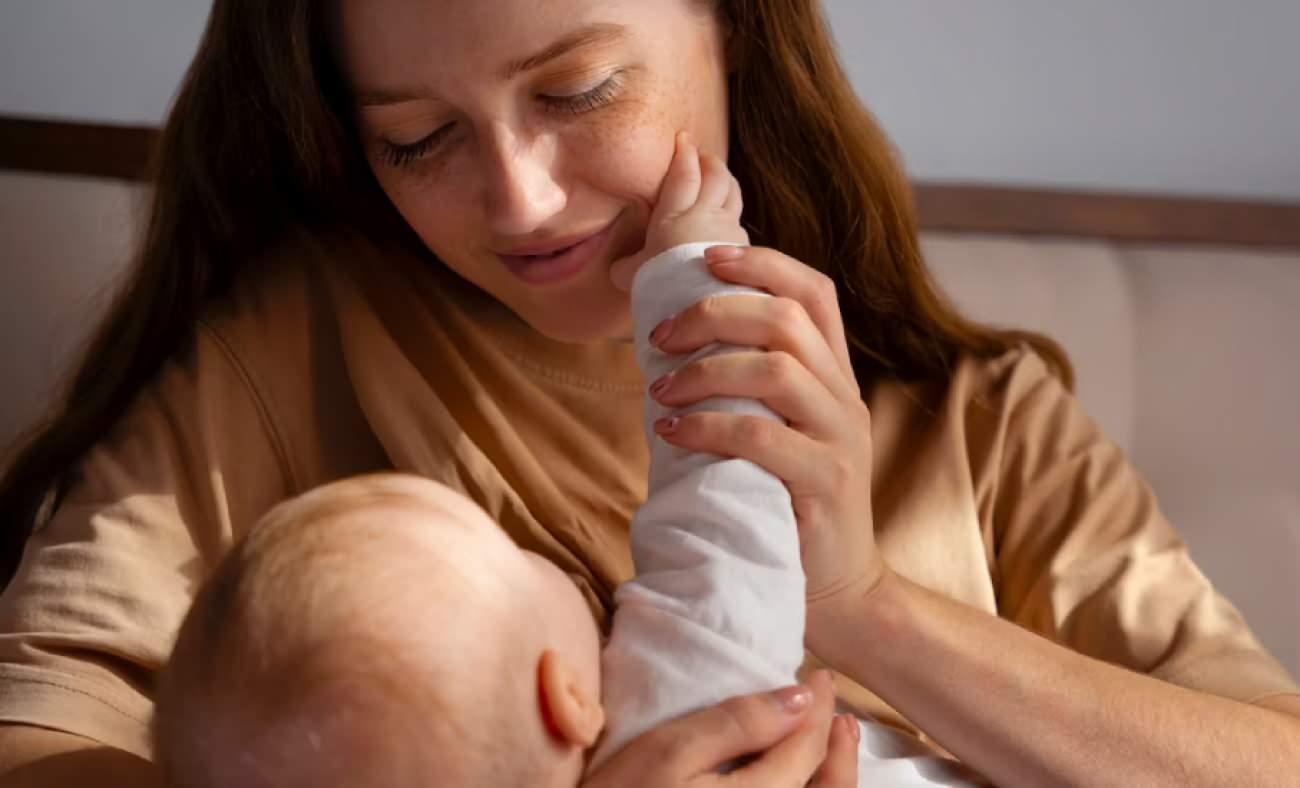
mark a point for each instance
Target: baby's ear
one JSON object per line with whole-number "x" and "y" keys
{"x": 572, "y": 713}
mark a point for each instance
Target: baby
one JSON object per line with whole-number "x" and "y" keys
{"x": 424, "y": 646}
{"x": 380, "y": 631}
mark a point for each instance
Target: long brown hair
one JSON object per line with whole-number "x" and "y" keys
{"x": 259, "y": 142}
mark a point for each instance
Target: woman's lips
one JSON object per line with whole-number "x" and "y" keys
{"x": 549, "y": 269}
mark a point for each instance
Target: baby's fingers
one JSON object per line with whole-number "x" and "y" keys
{"x": 715, "y": 183}
{"x": 735, "y": 203}
{"x": 681, "y": 186}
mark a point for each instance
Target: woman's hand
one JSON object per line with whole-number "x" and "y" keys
{"x": 800, "y": 369}
{"x": 798, "y": 738}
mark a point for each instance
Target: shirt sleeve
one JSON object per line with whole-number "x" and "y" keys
{"x": 1085, "y": 557}
{"x": 103, "y": 585}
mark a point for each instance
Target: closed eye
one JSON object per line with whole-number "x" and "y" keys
{"x": 402, "y": 155}
{"x": 597, "y": 97}
{"x": 587, "y": 101}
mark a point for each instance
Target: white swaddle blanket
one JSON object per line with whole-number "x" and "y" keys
{"x": 716, "y": 608}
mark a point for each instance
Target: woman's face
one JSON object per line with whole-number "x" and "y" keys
{"x": 490, "y": 138}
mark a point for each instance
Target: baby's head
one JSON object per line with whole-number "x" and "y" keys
{"x": 380, "y": 631}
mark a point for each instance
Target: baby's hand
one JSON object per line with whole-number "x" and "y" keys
{"x": 699, "y": 200}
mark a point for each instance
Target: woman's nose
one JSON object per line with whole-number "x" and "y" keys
{"x": 522, "y": 191}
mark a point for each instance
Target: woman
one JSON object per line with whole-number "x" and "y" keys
{"x": 346, "y": 270}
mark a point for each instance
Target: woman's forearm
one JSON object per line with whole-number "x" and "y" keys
{"x": 37, "y": 758}
{"x": 1025, "y": 711}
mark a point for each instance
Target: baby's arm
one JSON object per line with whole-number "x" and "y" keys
{"x": 717, "y": 606}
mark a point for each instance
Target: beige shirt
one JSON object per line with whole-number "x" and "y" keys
{"x": 993, "y": 487}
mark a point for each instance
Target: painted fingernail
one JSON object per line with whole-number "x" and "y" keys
{"x": 661, "y": 332}
{"x": 793, "y": 699}
{"x": 660, "y": 385}
{"x": 854, "y": 728}
{"x": 667, "y": 426}
{"x": 721, "y": 254}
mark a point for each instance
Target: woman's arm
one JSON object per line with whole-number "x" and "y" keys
{"x": 1079, "y": 551}
{"x": 38, "y": 758}
{"x": 1025, "y": 711}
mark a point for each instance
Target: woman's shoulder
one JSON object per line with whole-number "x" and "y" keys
{"x": 965, "y": 425}
{"x": 976, "y": 387}
{"x": 1006, "y": 382}
{"x": 269, "y": 306}
{"x": 281, "y": 313}
{"x": 279, "y": 330}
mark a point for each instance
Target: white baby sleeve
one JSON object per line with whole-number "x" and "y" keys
{"x": 717, "y": 607}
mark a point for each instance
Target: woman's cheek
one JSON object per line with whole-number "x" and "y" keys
{"x": 627, "y": 151}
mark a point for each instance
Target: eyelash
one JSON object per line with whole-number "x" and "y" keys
{"x": 597, "y": 97}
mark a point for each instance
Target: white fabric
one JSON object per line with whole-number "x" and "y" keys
{"x": 717, "y": 607}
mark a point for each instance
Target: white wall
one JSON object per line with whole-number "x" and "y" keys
{"x": 111, "y": 60}
{"x": 1193, "y": 96}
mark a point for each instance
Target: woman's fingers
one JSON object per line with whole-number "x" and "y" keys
{"x": 793, "y": 457}
{"x": 716, "y": 736}
{"x": 840, "y": 769}
{"x": 798, "y": 757}
{"x": 696, "y": 746}
{"x": 777, "y": 379}
{"x": 777, "y": 324}
{"x": 783, "y": 276}
{"x": 681, "y": 185}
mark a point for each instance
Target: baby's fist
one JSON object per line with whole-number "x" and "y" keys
{"x": 699, "y": 200}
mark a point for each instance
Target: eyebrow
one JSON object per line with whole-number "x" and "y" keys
{"x": 595, "y": 34}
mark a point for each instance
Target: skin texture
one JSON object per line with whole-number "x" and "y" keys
{"x": 511, "y": 168}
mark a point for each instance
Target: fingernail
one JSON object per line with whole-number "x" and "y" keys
{"x": 661, "y": 332}
{"x": 719, "y": 254}
{"x": 855, "y": 730}
{"x": 667, "y": 426}
{"x": 793, "y": 699}
{"x": 659, "y": 385}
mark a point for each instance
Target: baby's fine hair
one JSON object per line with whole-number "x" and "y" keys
{"x": 300, "y": 664}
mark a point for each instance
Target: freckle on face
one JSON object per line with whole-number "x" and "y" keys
{"x": 586, "y": 168}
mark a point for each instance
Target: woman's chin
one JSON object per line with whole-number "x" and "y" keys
{"x": 585, "y": 329}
